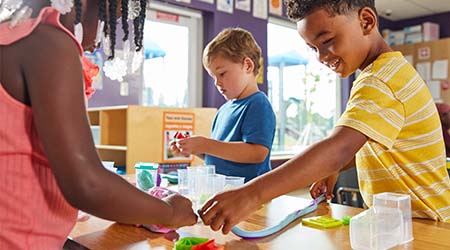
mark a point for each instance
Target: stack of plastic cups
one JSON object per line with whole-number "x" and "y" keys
{"x": 199, "y": 183}
{"x": 387, "y": 224}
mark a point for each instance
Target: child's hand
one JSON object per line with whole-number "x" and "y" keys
{"x": 182, "y": 215}
{"x": 325, "y": 185}
{"x": 225, "y": 210}
{"x": 191, "y": 145}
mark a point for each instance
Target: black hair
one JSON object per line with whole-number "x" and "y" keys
{"x": 299, "y": 9}
{"x": 112, "y": 25}
{"x": 102, "y": 15}
{"x": 139, "y": 26}
{"x": 78, "y": 10}
{"x": 125, "y": 20}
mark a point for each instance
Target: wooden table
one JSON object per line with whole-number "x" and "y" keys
{"x": 101, "y": 234}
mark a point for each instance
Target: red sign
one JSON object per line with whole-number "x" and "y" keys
{"x": 167, "y": 17}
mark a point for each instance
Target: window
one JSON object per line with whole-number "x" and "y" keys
{"x": 302, "y": 91}
{"x": 172, "y": 40}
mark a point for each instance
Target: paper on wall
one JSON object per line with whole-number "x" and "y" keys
{"x": 424, "y": 70}
{"x": 207, "y": 1}
{"x": 435, "y": 89}
{"x": 276, "y": 7}
{"x": 124, "y": 91}
{"x": 243, "y": 5}
{"x": 260, "y": 9}
{"x": 440, "y": 70}
{"x": 225, "y": 6}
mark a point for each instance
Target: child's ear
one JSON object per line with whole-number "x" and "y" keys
{"x": 249, "y": 65}
{"x": 368, "y": 20}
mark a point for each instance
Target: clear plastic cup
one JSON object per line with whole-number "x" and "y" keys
{"x": 403, "y": 203}
{"x": 183, "y": 182}
{"x": 198, "y": 183}
{"x": 387, "y": 224}
{"x": 217, "y": 183}
{"x": 376, "y": 228}
{"x": 232, "y": 182}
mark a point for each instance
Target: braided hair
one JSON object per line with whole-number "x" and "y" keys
{"x": 102, "y": 15}
{"x": 139, "y": 26}
{"x": 78, "y": 10}
{"x": 125, "y": 20}
{"x": 110, "y": 23}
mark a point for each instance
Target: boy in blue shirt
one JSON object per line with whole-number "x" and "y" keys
{"x": 244, "y": 127}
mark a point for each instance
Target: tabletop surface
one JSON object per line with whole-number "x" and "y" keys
{"x": 101, "y": 234}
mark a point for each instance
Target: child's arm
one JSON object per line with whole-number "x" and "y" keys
{"x": 54, "y": 81}
{"x": 318, "y": 161}
{"x": 233, "y": 151}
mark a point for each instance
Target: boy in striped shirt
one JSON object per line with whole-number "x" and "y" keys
{"x": 390, "y": 126}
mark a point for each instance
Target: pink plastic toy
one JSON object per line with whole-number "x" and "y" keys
{"x": 160, "y": 193}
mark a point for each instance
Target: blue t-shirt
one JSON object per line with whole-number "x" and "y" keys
{"x": 249, "y": 120}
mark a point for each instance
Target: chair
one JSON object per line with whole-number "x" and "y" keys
{"x": 346, "y": 191}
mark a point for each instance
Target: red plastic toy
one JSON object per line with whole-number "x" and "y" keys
{"x": 209, "y": 245}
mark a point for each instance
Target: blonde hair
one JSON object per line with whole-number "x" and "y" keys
{"x": 234, "y": 44}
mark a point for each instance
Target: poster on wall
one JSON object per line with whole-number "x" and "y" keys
{"x": 184, "y": 1}
{"x": 260, "y": 9}
{"x": 207, "y": 1}
{"x": 175, "y": 123}
{"x": 275, "y": 7}
{"x": 225, "y": 6}
{"x": 243, "y": 5}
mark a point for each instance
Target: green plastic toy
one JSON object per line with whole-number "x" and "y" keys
{"x": 321, "y": 222}
{"x": 346, "y": 220}
{"x": 188, "y": 242}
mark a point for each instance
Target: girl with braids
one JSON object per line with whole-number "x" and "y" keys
{"x": 50, "y": 167}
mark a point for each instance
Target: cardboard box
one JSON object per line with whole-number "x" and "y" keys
{"x": 430, "y": 31}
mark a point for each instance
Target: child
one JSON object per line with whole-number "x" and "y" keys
{"x": 244, "y": 127}
{"x": 390, "y": 123}
{"x": 50, "y": 167}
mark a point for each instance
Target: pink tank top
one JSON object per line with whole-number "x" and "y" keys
{"x": 33, "y": 212}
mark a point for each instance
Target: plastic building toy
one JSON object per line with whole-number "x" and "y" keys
{"x": 188, "y": 242}
{"x": 321, "y": 222}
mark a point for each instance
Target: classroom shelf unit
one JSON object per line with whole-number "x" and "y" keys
{"x": 130, "y": 134}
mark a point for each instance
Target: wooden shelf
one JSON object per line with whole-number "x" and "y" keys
{"x": 112, "y": 147}
{"x": 130, "y": 134}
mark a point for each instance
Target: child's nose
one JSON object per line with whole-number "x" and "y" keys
{"x": 322, "y": 56}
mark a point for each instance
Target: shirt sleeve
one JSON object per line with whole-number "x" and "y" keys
{"x": 374, "y": 111}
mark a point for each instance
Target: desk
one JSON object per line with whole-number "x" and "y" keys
{"x": 100, "y": 234}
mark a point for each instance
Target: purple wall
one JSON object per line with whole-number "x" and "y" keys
{"x": 214, "y": 22}
{"x": 442, "y": 19}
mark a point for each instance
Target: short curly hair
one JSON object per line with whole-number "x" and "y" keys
{"x": 234, "y": 44}
{"x": 299, "y": 9}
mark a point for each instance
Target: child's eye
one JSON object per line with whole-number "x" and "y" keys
{"x": 313, "y": 49}
{"x": 327, "y": 41}
{"x": 222, "y": 74}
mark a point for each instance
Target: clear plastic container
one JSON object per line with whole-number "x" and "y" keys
{"x": 232, "y": 182}
{"x": 387, "y": 224}
{"x": 146, "y": 175}
{"x": 402, "y": 202}
{"x": 376, "y": 229}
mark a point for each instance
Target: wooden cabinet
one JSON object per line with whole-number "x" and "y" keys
{"x": 427, "y": 55}
{"x": 130, "y": 134}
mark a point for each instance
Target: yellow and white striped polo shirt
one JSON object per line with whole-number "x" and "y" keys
{"x": 405, "y": 153}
